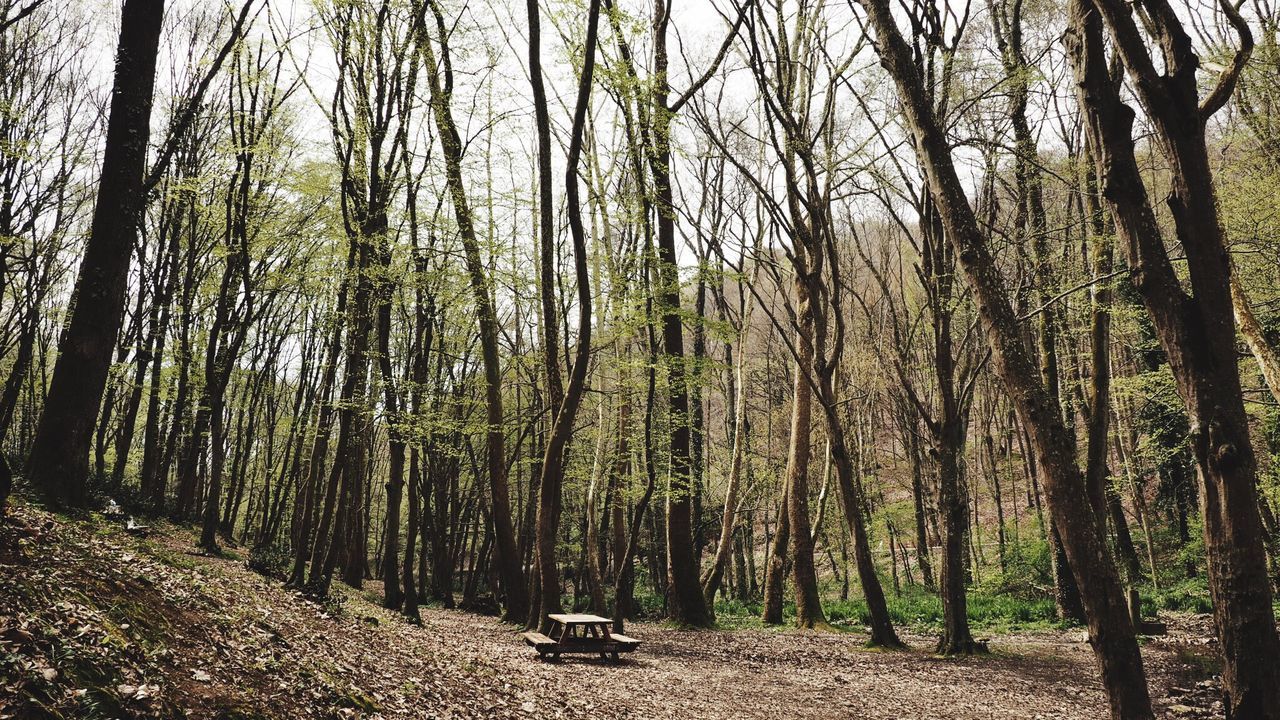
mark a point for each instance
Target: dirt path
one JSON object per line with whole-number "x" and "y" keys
{"x": 236, "y": 644}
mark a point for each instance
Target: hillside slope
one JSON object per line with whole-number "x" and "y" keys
{"x": 98, "y": 623}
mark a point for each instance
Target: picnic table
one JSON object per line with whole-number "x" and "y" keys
{"x": 579, "y": 633}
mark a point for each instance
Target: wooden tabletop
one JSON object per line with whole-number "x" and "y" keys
{"x": 579, "y": 619}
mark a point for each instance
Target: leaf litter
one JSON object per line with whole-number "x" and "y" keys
{"x": 96, "y": 621}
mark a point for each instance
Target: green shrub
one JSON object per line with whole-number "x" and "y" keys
{"x": 916, "y": 608}
{"x": 1028, "y": 571}
{"x": 271, "y": 560}
{"x": 1189, "y": 595}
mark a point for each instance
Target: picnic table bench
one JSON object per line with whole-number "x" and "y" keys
{"x": 578, "y": 633}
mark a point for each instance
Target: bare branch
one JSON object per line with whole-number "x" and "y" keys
{"x": 6, "y": 23}
{"x": 715, "y": 65}
{"x": 192, "y": 105}
{"x": 1227, "y": 81}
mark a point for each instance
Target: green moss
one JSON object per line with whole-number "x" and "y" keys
{"x": 357, "y": 700}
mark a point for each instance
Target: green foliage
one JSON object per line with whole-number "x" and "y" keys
{"x": 1160, "y": 417}
{"x": 914, "y": 608}
{"x": 1028, "y": 572}
{"x": 647, "y": 604}
{"x": 272, "y": 560}
{"x": 1188, "y": 595}
{"x": 127, "y": 495}
{"x": 1269, "y": 471}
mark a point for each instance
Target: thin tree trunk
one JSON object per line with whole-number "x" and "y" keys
{"x": 440, "y": 80}
{"x": 728, "y": 518}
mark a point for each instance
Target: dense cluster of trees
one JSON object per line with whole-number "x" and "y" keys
{"x": 297, "y": 276}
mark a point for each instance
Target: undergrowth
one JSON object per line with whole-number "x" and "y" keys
{"x": 913, "y": 607}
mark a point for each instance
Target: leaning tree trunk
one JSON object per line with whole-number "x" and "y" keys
{"x": 1110, "y": 631}
{"x": 882, "y": 632}
{"x": 508, "y": 558}
{"x": 58, "y": 462}
{"x": 1267, "y": 356}
{"x": 557, "y": 443}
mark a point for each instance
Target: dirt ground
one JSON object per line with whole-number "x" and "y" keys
{"x": 213, "y": 639}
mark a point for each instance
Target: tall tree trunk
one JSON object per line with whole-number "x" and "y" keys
{"x": 591, "y": 539}
{"x": 21, "y": 366}
{"x": 546, "y": 591}
{"x": 58, "y": 462}
{"x": 1111, "y": 633}
{"x": 804, "y": 574}
{"x": 151, "y": 424}
{"x": 728, "y": 517}
{"x": 305, "y": 543}
{"x": 1196, "y": 331}
{"x": 440, "y": 79}
{"x": 393, "y": 594}
{"x": 624, "y": 582}
{"x": 917, "y": 498}
{"x": 688, "y": 607}
{"x": 882, "y": 632}
{"x": 567, "y": 411}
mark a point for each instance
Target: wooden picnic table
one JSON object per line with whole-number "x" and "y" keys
{"x": 580, "y": 633}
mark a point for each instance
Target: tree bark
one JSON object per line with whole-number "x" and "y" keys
{"x": 1267, "y": 357}
{"x": 804, "y": 574}
{"x": 1110, "y": 631}
{"x": 1196, "y": 331}
{"x": 566, "y": 413}
{"x": 440, "y": 80}
{"x": 58, "y": 462}
{"x": 775, "y": 572}
{"x": 728, "y": 517}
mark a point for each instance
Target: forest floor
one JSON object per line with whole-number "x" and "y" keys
{"x": 97, "y": 622}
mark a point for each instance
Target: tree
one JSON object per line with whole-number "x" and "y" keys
{"x": 58, "y": 462}
{"x": 1110, "y": 632}
{"x": 440, "y": 82}
{"x": 566, "y": 410}
{"x": 1196, "y": 328}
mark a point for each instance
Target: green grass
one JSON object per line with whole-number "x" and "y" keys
{"x": 1188, "y": 595}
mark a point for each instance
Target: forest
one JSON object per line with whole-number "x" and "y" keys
{"x": 865, "y": 358}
